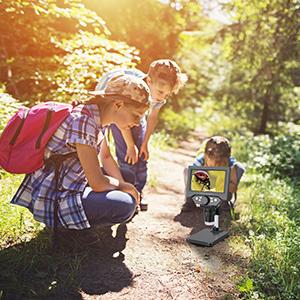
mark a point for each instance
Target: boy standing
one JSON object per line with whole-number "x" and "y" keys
{"x": 163, "y": 78}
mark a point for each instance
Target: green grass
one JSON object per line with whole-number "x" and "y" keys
{"x": 17, "y": 224}
{"x": 270, "y": 215}
{"x": 268, "y": 226}
{"x": 270, "y": 223}
{"x": 30, "y": 268}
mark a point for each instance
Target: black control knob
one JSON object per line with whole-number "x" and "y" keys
{"x": 204, "y": 200}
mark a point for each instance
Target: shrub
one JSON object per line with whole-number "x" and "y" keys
{"x": 274, "y": 236}
{"x": 279, "y": 156}
{"x": 178, "y": 124}
{"x": 8, "y": 106}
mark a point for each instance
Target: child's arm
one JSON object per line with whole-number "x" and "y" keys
{"x": 97, "y": 180}
{"x": 132, "y": 150}
{"x": 233, "y": 180}
{"x": 108, "y": 163}
{"x": 151, "y": 124}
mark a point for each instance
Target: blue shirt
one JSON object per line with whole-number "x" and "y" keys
{"x": 154, "y": 104}
{"x": 37, "y": 191}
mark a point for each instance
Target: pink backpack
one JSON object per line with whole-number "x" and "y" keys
{"x": 24, "y": 139}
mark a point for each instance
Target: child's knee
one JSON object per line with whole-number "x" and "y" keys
{"x": 125, "y": 209}
{"x": 130, "y": 211}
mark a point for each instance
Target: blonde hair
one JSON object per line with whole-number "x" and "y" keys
{"x": 169, "y": 71}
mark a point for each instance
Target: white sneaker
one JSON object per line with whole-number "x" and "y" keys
{"x": 143, "y": 204}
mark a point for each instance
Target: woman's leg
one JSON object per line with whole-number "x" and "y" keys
{"x": 107, "y": 208}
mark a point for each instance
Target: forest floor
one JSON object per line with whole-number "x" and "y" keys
{"x": 149, "y": 258}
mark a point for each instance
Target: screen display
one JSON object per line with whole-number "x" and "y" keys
{"x": 208, "y": 181}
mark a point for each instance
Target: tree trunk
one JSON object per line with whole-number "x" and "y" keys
{"x": 264, "y": 116}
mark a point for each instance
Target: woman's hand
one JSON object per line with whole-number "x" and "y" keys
{"x": 96, "y": 179}
{"x": 144, "y": 153}
{"x": 132, "y": 154}
{"x": 130, "y": 189}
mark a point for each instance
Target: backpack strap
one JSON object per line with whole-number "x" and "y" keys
{"x": 46, "y": 125}
{"x": 56, "y": 161}
{"x": 14, "y": 138}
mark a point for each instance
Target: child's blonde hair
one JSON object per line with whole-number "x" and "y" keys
{"x": 218, "y": 148}
{"x": 169, "y": 71}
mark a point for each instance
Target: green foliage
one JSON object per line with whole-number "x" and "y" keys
{"x": 55, "y": 50}
{"x": 279, "y": 156}
{"x": 86, "y": 60}
{"x": 243, "y": 76}
{"x": 271, "y": 214}
{"x": 246, "y": 286}
{"x": 218, "y": 119}
{"x": 249, "y": 68}
{"x": 136, "y": 23}
{"x": 240, "y": 147}
{"x": 272, "y": 223}
{"x": 196, "y": 54}
{"x": 159, "y": 142}
{"x": 8, "y": 106}
{"x": 262, "y": 46}
{"x": 178, "y": 124}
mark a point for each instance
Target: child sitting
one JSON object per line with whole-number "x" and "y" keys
{"x": 217, "y": 153}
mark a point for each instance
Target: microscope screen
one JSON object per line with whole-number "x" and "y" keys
{"x": 208, "y": 181}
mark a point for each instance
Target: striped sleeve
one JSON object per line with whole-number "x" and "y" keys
{"x": 199, "y": 160}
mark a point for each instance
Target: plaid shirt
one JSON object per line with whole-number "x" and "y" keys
{"x": 37, "y": 191}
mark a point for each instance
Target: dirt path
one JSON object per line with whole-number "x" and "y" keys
{"x": 151, "y": 259}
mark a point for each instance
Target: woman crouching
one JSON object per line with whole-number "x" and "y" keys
{"x": 90, "y": 189}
